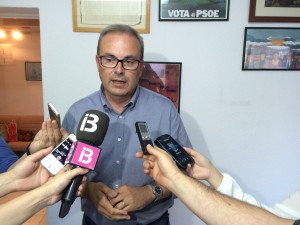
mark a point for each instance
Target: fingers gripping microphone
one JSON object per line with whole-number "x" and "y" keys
{"x": 90, "y": 134}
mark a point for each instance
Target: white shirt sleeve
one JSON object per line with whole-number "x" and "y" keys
{"x": 289, "y": 208}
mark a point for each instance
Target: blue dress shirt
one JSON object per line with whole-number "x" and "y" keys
{"x": 117, "y": 164}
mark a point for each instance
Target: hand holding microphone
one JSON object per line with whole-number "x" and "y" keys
{"x": 85, "y": 152}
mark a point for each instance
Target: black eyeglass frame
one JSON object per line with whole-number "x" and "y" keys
{"x": 118, "y": 60}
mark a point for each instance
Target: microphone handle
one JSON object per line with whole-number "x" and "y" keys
{"x": 69, "y": 196}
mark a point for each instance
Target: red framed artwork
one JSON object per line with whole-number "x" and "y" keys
{"x": 163, "y": 78}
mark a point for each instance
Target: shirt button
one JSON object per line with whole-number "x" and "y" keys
{"x": 116, "y": 186}
{"x": 120, "y": 117}
{"x": 118, "y": 162}
{"x": 119, "y": 139}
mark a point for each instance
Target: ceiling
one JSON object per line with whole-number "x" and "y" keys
{"x": 24, "y": 19}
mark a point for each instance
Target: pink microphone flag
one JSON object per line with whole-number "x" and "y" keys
{"x": 85, "y": 155}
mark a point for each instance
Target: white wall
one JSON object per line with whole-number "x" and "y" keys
{"x": 19, "y": 96}
{"x": 247, "y": 123}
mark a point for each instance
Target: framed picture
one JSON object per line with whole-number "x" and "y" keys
{"x": 163, "y": 78}
{"x": 193, "y": 10}
{"x": 33, "y": 71}
{"x": 271, "y": 48}
{"x": 93, "y": 16}
{"x": 274, "y": 11}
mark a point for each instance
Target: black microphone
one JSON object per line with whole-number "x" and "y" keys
{"x": 85, "y": 152}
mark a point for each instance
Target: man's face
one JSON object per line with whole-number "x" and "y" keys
{"x": 119, "y": 83}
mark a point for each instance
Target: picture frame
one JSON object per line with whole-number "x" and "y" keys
{"x": 93, "y": 16}
{"x": 163, "y": 78}
{"x": 271, "y": 48}
{"x": 33, "y": 71}
{"x": 263, "y": 11}
{"x": 193, "y": 10}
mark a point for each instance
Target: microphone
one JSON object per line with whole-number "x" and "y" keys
{"x": 84, "y": 153}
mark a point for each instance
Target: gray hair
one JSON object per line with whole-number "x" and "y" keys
{"x": 124, "y": 29}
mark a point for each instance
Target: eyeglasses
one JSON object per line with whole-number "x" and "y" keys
{"x": 112, "y": 62}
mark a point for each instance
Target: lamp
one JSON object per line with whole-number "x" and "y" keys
{"x": 2, "y": 34}
{"x": 15, "y": 34}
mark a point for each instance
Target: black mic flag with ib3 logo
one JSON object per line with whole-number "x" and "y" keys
{"x": 85, "y": 152}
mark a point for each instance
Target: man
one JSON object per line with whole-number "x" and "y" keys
{"x": 118, "y": 192}
{"x": 208, "y": 204}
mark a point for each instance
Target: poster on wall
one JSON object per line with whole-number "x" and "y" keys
{"x": 94, "y": 15}
{"x": 163, "y": 78}
{"x": 271, "y": 48}
{"x": 274, "y": 11}
{"x": 193, "y": 10}
{"x": 33, "y": 71}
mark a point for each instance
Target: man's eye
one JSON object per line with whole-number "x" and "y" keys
{"x": 130, "y": 61}
{"x": 110, "y": 59}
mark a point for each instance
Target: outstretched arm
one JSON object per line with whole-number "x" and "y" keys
{"x": 31, "y": 202}
{"x": 26, "y": 174}
{"x": 209, "y": 205}
{"x": 215, "y": 208}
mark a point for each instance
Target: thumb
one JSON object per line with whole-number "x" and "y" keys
{"x": 37, "y": 156}
{"x": 107, "y": 191}
{"x": 112, "y": 194}
{"x": 155, "y": 151}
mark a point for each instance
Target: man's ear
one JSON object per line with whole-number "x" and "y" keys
{"x": 97, "y": 62}
{"x": 142, "y": 66}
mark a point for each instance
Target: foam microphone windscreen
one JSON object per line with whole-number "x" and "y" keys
{"x": 92, "y": 127}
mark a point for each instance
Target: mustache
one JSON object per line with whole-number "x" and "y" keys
{"x": 119, "y": 78}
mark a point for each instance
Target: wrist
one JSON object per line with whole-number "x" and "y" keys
{"x": 46, "y": 197}
{"x": 157, "y": 192}
{"x": 86, "y": 191}
{"x": 8, "y": 182}
{"x": 216, "y": 178}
